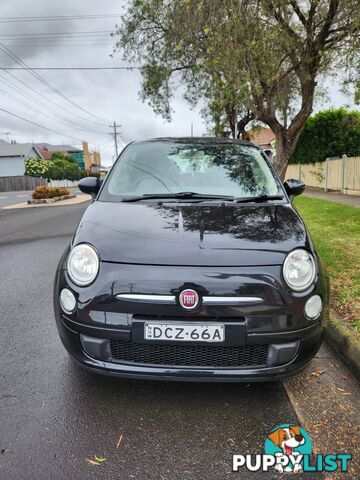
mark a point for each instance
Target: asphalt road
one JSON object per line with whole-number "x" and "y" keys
{"x": 53, "y": 416}
{"x": 10, "y": 198}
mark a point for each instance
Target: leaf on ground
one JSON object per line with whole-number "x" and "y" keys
{"x": 342, "y": 391}
{"x": 317, "y": 373}
{"x": 318, "y": 425}
{"x": 100, "y": 459}
{"x": 93, "y": 462}
{"x": 120, "y": 439}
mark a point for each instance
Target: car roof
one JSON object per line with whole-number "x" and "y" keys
{"x": 199, "y": 141}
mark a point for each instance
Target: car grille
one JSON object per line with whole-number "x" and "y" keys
{"x": 189, "y": 355}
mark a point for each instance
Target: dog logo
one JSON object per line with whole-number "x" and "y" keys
{"x": 288, "y": 443}
{"x": 288, "y": 449}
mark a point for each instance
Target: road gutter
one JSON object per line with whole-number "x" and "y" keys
{"x": 344, "y": 342}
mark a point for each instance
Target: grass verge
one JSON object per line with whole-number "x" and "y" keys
{"x": 335, "y": 230}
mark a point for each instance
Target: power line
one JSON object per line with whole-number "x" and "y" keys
{"x": 59, "y": 45}
{"x": 39, "y": 125}
{"x": 10, "y": 54}
{"x": 46, "y": 114}
{"x": 58, "y": 18}
{"x": 50, "y": 34}
{"x": 47, "y": 99}
{"x": 62, "y": 108}
{"x": 102, "y": 36}
{"x": 72, "y": 68}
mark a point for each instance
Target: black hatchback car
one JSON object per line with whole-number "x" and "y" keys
{"x": 191, "y": 264}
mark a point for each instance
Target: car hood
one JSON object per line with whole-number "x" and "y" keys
{"x": 193, "y": 234}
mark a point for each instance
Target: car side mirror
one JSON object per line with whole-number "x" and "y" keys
{"x": 90, "y": 185}
{"x": 294, "y": 187}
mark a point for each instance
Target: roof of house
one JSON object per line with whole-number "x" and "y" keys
{"x": 262, "y": 136}
{"x": 58, "y": 148}
{"x": 46, "y": 155}
{"x": 15, "y": 149}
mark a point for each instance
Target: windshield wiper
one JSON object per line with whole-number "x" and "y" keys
{"x": 260, "y": 198}
{"x": 180, "y": 195}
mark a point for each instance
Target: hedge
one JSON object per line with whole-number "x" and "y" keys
{"x": 329, "y": 133}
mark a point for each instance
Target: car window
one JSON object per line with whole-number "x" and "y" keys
{"x": 164, "y": 167}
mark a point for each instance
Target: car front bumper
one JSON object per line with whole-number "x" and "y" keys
{"x": 298, "y": 347}
{"x": 269, "y": 341}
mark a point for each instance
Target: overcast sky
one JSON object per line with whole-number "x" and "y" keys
{"x": 109, "y": 95}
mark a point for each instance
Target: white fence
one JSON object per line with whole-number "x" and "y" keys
{"x": 341, "y": 174}
{"x": 63, "y": 183}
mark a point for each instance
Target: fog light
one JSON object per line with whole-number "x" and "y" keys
{"x": 67, "y": 300}
{"x": 313, "y": 307}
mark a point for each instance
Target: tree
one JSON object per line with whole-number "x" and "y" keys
{"x": 326, "y": 134}
{"x": 63, "y": 156}
{"x": 60, "y": 169}
{"x": 258, "y": 56}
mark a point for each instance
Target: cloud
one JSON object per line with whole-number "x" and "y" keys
{"x": 110, "y": 95}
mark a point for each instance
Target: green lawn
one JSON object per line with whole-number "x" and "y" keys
{"x": 335, "y": 230}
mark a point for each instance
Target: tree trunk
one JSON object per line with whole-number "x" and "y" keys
{"x": 285, "y": 146}
{"x": 242, "y": 123}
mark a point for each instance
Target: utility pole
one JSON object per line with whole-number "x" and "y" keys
{"x": 192, "y": 129}
{"x": 116, "y": 133}
{"x": 235, "y": 125}
{"x": 7, "y": 135}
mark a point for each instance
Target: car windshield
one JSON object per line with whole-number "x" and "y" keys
{"x": 214, "y": 168}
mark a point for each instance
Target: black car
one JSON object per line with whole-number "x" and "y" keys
{"x": 191, "y": 264}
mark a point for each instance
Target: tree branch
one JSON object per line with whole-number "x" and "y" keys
{"x": 299, "y": 13}
{"x": 277, "y": 15}
{"x": 324, "y": 32}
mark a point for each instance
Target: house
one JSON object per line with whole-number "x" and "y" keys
{"x": 13, "y": 156}
{"x": 265, "y": 138}
{"x": 47, "y": 150}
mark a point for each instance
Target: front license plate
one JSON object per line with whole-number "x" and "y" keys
{"x": 184, "y": 333}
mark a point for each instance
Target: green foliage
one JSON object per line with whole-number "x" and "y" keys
{"x": 60, "y": 169}
{"x": 254, "y": 56}
{"x": 63, "y": 156}
{"x": 327, "y": 134}
{"x": 335, "y": 230}
{"x": 36, "y": 167}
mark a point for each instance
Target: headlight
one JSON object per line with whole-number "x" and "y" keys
{"x": 67, "y": 300}
{"x": 299, "y": 270}
{"x": 313, "y": 307}
{"x": 83, "y": 264}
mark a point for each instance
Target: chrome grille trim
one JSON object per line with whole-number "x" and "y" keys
{"x": 158, "y": 299}
{"x": 171, "y": 299}
{"x": 231, "y": 300}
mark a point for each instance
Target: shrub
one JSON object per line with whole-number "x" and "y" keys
{"x": 327, "y": 134}
{"x": 63, "y": 156}
{"x": 49, "y": 192}
{"x": 60, "y": 169}
{"x": 36, "y": 167}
